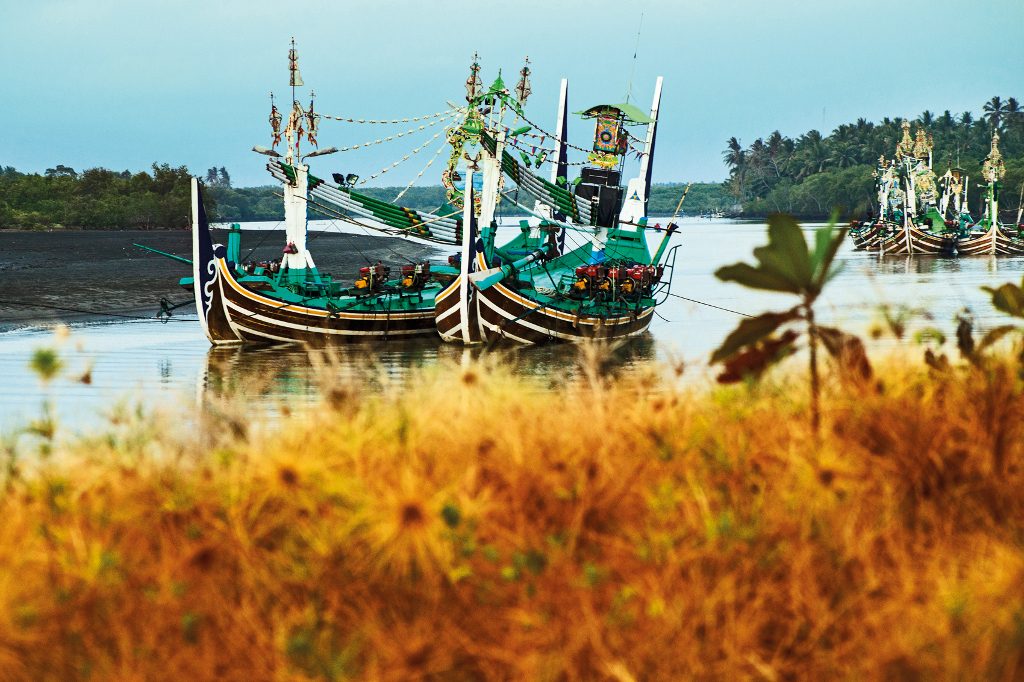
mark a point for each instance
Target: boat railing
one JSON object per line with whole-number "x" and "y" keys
{"x": 664, "y": 286}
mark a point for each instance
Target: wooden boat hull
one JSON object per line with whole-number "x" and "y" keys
{"x": 508, "y": 315}
{"x": 911, "y": 240}
{"x": 467, "y": 315}
{"x": 255, "y": 317}
{"x": 867, "y": 238}
{"x": 456, "y": 313}
{"x": 231, "y": 312}
{"x": 995, "y": 242}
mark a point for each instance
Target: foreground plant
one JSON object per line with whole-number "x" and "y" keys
{"x": 468, "y": 525}
{"x": 786, "y": 265}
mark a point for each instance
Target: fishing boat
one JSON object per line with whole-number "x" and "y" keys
{"x": 289, "y": 299}
{"x": 908, "y": 201}
{"x": 988, "y": 236}
{"x": 582, "y": 268}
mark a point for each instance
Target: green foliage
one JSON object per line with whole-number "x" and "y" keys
{"x": 787, "y": 265}
{"x": 1009, "y": 298}
{"x": 46, "y": 363}
{"x": 95, "y": 199}
{"x": 809, "y": 175}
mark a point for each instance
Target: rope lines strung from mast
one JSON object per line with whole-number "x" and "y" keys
{"x": 404, "y": 158}
{"x": 390, "y": 138}
{"x": 412, "y": 119}
{"x": 423, "y": 170}
{"x": 568, "y": 144}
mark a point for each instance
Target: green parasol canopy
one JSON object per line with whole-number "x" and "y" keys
{"x": 632, "y": 113}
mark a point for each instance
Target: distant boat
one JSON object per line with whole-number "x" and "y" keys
{"x": 989, "y": 236}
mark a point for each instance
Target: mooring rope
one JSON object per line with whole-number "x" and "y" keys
{"x": 104, "y": 313}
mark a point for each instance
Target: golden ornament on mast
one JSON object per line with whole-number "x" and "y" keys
{"x": 921, "y": 146}
{"x": 994, "y": 169}
{"x": 906, "y": 145}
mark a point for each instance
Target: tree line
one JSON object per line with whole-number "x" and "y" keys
{"x": 809, "y": 175}
{"x": 95, "y": 199}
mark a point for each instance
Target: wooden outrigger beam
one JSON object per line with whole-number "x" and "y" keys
{"x": 180, "y": 259}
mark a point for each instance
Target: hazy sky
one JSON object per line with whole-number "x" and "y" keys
{"x": 124, "y": 84}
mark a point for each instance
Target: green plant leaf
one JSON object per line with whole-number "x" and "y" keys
{"x": 784, "y": 264}
{"x": 755, "y": 278}
{"x": 751, "y": 363}
{"x": 786, "y": 253}
{"x": 827, "y": 241}
{"x": 848, "y": 350}
{"x": 750, "y": 331}
{"x": 1008, "y": 298}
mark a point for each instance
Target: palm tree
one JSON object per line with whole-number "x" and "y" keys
{"x": 733, "y": 154}
{"x": 812, "y": 152}
{"x": 736, "y": 159}
{"x": 843, "y": 154}
{"x": 995, "y": 109}
{"x": 926, "y": 119}
{"x": 1013, "y": 113}
{"x": 777, "y": 147}
{"x": 967, "y": 119}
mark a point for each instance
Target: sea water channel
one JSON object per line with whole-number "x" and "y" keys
{"x": 155, "y": 364}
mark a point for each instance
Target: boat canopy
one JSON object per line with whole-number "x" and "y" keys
{"x": 630, "y": 112}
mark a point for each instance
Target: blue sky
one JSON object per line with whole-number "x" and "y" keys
{"x": 124, "y": 84}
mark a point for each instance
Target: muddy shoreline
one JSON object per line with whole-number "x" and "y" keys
{"x": 76, "y": 276}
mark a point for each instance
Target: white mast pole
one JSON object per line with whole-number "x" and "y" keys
{"x": 635, "y": 206}
{"x": 295, "y": 195}
{"x": 556, "y": 165}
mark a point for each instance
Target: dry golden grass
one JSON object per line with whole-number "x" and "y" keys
{"x": 474, "y": 526}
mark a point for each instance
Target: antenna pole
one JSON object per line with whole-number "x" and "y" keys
{"x": 636, "y": 50}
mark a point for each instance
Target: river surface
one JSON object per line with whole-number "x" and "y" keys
{"x": 157, "y": 364}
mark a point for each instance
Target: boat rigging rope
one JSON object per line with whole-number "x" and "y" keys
{"x": 394, "y": 232}
{"x": 390, "y": 138}
{"x": 262, "y": 239}
{"x": 412, "y": 119}
{"x": 394, "y": 165}
{"x": 710, "y": 305}
{"x": 552, "y": 136}
{"x": 422, "y": 170}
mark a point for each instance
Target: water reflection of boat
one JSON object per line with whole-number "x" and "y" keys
{"x": 279, "y": 375}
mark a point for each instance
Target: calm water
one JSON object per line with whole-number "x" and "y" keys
{"x": 156, "y": 364}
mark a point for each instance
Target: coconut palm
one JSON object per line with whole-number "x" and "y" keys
{"x": 995, "y": 110}
{"x": 736, "y": 159}
{"x": 812, "y": 152}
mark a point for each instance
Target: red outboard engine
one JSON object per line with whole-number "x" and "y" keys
{"x": 588, "y": 278}
{"x": 372, "y": 277}
{"x": 415, "y": 275}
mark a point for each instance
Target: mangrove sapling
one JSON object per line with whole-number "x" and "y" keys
{"x": 786, "y": 265}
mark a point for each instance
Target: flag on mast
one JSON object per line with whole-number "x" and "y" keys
{"x": 293, "y": 67}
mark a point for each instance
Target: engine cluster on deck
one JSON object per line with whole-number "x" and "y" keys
{"x": 611, "y": 281}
